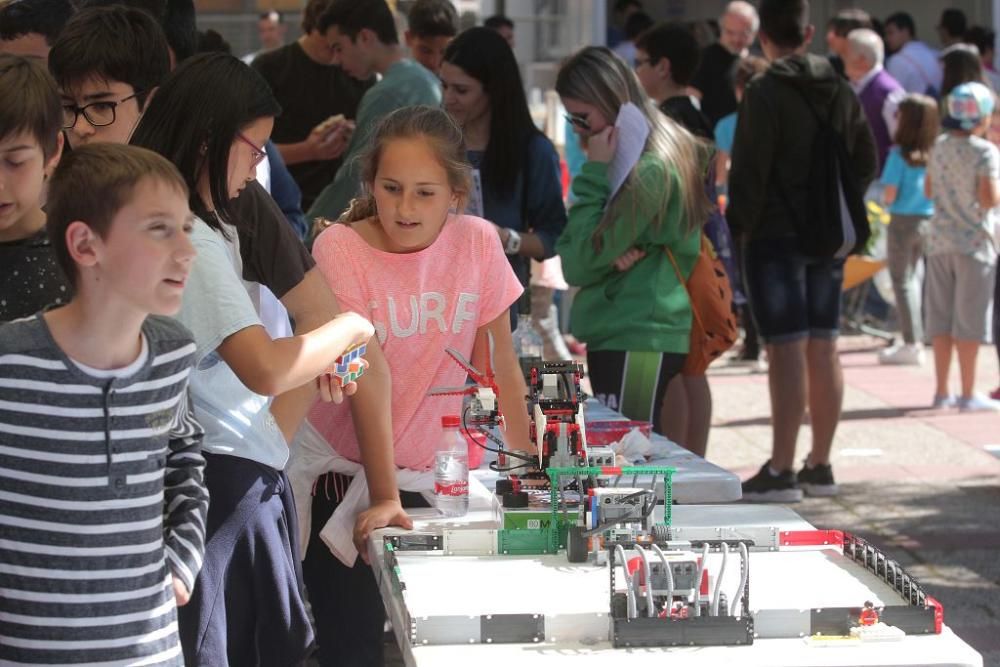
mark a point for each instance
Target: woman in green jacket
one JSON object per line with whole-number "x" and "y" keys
{"x": 632, "y": 311}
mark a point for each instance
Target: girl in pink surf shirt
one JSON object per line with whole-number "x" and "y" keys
{"x": 429, "y": 279}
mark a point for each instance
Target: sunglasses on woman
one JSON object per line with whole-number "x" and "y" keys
{"x": 578, "y": 120}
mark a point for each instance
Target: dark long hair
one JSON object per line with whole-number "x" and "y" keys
{"x": 485, "y": 56}
{"x": 958, "y": 66}
{"x": 193, "y": 119}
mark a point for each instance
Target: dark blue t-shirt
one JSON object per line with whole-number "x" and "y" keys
{"x": 537, "y": 197}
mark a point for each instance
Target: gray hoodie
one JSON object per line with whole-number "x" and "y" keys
{"x": 774, "y": 134}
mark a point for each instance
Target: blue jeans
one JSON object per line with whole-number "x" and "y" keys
{"x": 792, "y": 296}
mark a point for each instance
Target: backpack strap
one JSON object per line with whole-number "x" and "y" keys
{"x": 680, "y": 279}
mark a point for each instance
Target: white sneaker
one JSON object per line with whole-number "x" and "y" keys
{"x": 978, "y": 403}
{"x": 942, "y": 402}
{"x": 902, "y": 355}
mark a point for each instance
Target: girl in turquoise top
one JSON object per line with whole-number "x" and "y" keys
{"x": 632, "y": 311}
{"x": 903, "y": 190}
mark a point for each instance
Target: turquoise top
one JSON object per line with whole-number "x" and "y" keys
{"x": 909, "y": 183}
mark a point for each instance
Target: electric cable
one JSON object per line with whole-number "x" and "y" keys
{"x": 647, "y": 574}
{"x": 502, "y": 446}
{"x": 630, "y": 609}
{"x": 744, "y": 575}
{"x": 669, "y": 572}
{"x": 717, "y": 594}
{"x": 697, "y": 581}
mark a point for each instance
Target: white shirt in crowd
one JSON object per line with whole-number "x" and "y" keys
{"x": 916, "y": 67}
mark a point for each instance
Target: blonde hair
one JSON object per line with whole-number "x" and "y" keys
{"x": 597, "y": 76}
{"x": 442, "y": 134}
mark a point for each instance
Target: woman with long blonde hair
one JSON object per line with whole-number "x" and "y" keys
{"x": 632, "y": 310}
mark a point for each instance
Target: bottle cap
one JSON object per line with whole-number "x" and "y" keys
{"x": 451, "y": 421}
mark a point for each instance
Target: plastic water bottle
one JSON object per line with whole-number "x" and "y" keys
{"x": 527, "y": 342}
{"x": 528, "y": 345}
{"x": 451, "y": 470}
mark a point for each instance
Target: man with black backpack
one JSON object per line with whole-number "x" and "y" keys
{"x": 802, "y": 157}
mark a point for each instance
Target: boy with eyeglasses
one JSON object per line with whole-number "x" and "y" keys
{"x": 104, "y": 88}
{"x": 105, "y": 85}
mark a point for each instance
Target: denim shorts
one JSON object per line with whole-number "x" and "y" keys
{"x": 792, "y": 296}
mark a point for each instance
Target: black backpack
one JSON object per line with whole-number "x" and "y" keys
{"x": 835, "y": 223}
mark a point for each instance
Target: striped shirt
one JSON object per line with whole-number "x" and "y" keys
{"x": 101, "y": 500}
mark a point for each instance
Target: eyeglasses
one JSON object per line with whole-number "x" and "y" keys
{"x": 98, "y": 114}
{"x": 256, "y": 154}
{"x": 577, "y": 120}
{"x": 639, "y": 62}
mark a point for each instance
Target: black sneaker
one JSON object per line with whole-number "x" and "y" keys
{"x": 818, "y": 480}
{"x": 766, "y": 488}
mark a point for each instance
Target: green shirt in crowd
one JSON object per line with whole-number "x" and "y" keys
{"x": 644, "y": 308}
{"x": 406, "y": 83}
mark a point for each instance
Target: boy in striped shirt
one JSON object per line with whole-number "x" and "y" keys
{"x": 102, "y": 501}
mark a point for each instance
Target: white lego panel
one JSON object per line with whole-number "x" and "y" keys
{"x": 470, "y": 542}
{"x": 437, "y": 586}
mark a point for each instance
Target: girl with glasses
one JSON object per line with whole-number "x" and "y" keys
{"x": 247, "y": 607}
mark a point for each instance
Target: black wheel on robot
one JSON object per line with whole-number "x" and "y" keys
{"x": 576, "y": 545}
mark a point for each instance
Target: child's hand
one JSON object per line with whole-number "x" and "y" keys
{"x": 363, "y": 329}
{"x": 381, "y": 514}
{"x": 601, "y": 147}
{"x": 631, "y": 256}
{"x": 181, "y": 594}
{"x": 330, "y": 389}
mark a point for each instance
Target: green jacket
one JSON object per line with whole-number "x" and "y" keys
{"x": 645, "y": 308}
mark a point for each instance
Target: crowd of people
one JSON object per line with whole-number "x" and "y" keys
{"x": 189, "y": 240}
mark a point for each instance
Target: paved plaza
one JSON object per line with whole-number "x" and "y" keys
{"x": 922, "y": 484}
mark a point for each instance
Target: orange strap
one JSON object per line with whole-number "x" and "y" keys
{"x": 680, "y": 278}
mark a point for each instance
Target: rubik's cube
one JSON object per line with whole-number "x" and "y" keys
{"x": 347, "y": 367}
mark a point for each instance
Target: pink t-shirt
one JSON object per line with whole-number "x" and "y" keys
{"x": 420, "y": 304}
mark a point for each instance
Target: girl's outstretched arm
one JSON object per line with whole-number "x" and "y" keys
{"x": 310, "y": 304}
{"x": 273, "y": 366}
{"x": 509, "y": 379}
{"x": 371, "y": 410}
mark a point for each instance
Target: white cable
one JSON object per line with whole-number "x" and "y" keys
{"x": 745, "y": 574}
{"x": 649, "y": 582}
{"x": 714, "y": 610}
{"x": 630, "y": 610}
{"x": 697, "y": 580}
{"x": 670, "y": 578}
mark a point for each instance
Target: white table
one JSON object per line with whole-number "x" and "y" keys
{"x": 568, "y": 594}
{"x": 696, "y": 481}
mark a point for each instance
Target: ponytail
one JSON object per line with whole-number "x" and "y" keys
{"x": 360, "y": 208}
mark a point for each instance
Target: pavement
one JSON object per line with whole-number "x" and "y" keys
{"x": 921, "y": 484}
